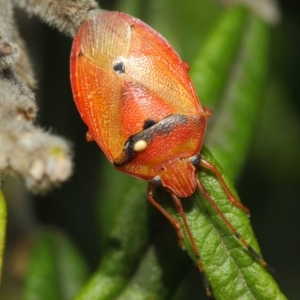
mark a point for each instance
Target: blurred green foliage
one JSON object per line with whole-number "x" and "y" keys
{"x": 268, "y": 181}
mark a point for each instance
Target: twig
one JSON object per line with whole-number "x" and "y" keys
{"x": 42, "y": 159}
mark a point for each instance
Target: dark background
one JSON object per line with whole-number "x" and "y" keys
{"x": 269, "y": 184}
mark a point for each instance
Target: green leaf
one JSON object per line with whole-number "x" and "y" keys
{"x": 178, "y": 22}
{"x": 56, "y": 270}
{"x": 161, "y": 269}
{"x": 233, "y": 70}
{"x": 127, "y": 240}
{"x": 211, "y": 69}
{"x": 243, "y": 75}
{"x": 231, "y": 270}
{"x": 2, "y": 228}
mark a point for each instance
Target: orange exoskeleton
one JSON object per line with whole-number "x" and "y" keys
{"x": 137, "y": 100}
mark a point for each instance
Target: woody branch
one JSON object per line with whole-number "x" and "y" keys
{"x": 42, "y": 159}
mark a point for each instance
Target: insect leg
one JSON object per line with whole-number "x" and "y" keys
{"x": 176, "y": 225}
{"x": 194, "y": 247}
{"x": 209, "y": 166}
{"x": 254, "y": 253}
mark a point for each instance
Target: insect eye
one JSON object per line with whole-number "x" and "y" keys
{"x": 119, "y": 67}
{"x": 126, "y": 146}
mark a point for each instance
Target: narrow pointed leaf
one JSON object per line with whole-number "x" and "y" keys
{"x": 239, "y": 38}
{"x": 161, "y": 269}
{"x": 2, "y": 228}
{"x": 230, "y": 75}
{"x": 125, "y": 244}
{"x": 232, "y": 272}
{"x": 211, "y": 69}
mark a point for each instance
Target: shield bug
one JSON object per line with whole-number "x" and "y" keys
{"x": 137, "y": 100}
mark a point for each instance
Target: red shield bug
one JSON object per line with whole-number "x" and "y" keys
{"x": 137, "y": 100}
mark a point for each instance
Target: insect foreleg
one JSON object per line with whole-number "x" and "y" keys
{"x": 209, "y": 166}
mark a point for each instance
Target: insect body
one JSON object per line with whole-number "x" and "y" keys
{"x": 140, "y": 86}
{"x": 134, "y": 94}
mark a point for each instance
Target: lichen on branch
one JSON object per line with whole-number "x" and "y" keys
{"x": 41, "y": 158}
{"x": 65, "y": 15}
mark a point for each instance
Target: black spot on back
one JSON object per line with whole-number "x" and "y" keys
{"x": 148, "y": 123}
{"x": 119, "y": 68}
